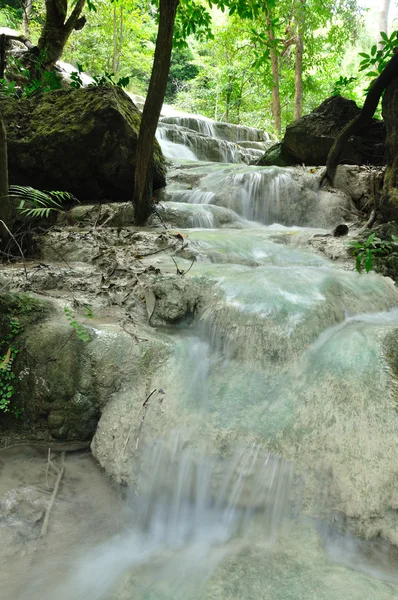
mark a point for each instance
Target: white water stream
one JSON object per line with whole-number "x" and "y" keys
{"x": 275, "y": 430}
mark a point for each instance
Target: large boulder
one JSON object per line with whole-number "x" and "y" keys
{"x": 81, "y": 141}
{"x": 309, "y": 139}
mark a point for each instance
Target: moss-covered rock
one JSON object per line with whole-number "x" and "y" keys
{"x": 81, "y": 141}
{"x": 61, "y": 383}
{"x": 276, "y": 155}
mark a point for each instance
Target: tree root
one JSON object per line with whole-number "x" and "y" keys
{"x": 371, "y": 221}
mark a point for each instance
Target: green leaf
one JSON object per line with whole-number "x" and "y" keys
{"x": 368, "y": 260}
{"x": 373, "y": 50}
{"x": 358, "y": 262}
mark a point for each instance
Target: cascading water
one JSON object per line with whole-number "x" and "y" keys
{"x": 266, "y": 447}
{"x": 208, "y": 140}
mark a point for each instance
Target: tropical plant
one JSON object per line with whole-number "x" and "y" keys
{"x": 38, "y": 203}
{"x": 365, "y": 252}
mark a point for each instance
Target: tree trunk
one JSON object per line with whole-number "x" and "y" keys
{"x": 383, "y": 18}
{"x": 114, "y": 55}
{"x": 276, "y": 99}
{"x": 27, "y": 10}
{"x": 7, "y": 211}
{"x": 120, "y": 40}
{"x": 2, "y": 55}
{"x": 378, "y": 86}
{"x": 298, "y": 72}
{"x": 57, "y": 29}
{"x": 142, "y": 197}
{"x": 298, "y": 79}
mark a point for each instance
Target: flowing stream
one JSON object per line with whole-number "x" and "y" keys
{"x": 275, "y": 402}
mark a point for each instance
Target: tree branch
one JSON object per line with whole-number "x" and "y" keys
{"x": 75, "y": 14}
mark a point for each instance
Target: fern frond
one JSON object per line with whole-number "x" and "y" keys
{"x": 39, "y": 203}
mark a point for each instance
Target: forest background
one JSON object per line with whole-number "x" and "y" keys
{"x": 262, "y": 72}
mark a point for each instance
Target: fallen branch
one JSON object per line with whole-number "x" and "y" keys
{"x": 53, "y": 497}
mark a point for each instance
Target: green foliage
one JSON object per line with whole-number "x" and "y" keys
{"x": 7, "y": 376}
{"x": 46, "y": 81}
{"x": 221, "y": 59}
{"x": 37, "y": 203}
{"x": 117, "y": 39}
{"x": 192, "y": 19}
{"x": 365, "y": 252}
{"x": 99, "y": 80}
{"x": 10, "y": 14}
{"x": 182, "y": 69}
{"x": 9, "y": 88}
{"x": 342, "y": 84}
{"x": 378, "y": 58}
{"x": 235, "y": 81}
{"x": 79, "y": 328}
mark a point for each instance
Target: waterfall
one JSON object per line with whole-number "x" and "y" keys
{"x": 256, "y": 194}
{"x": 209, "y": 140}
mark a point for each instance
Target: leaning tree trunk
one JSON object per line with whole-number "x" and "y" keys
{"x": 57, "y": 29}
{"x": 389, "y": 198}
{"x": 142, "y": 197}
{"x": 7, "y": 212}
{"x": 378, "y": 86}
